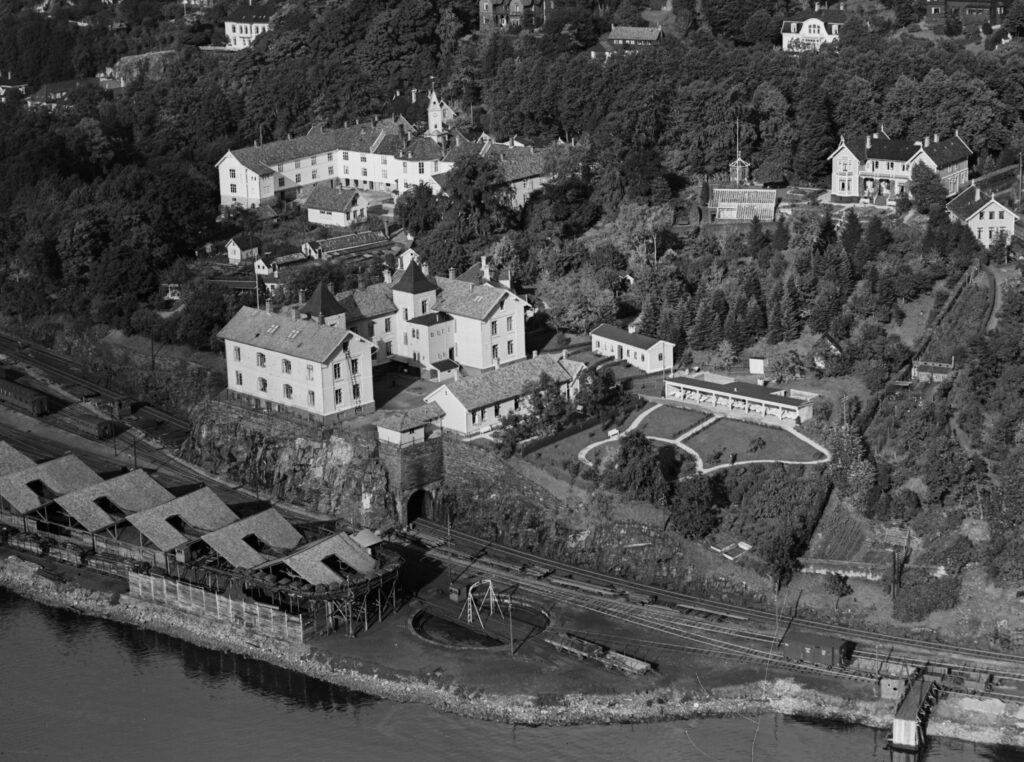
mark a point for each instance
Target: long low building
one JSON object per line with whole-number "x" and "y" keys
{"x": 647, "y": 353}
{"x": 728, "y": 395}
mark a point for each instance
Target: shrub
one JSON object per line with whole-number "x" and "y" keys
{"x": 921, "y": 594}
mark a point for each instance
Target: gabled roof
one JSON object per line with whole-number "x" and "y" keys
{"x": 202, "y": 510}
{"x": 420, "y": 149}
{"x": 341, "y": 244}
{"x": 309, "y": 561}
{"x": 628, "y": 33}
{"x": 948, "y": 151}
{"x": 636, "y": 340}
{"x": 414, "y": 281}
{"x": 508, "y": 381}
{"x": 413, "y": 418}
{"x": 370, "y": 302}
{"x": 269, "y": 527}
{"x": 329, "y": 199}
{"x": 305, "y": 339}
{"x": 743, "y": 389}
{"x": 972, "y": 200}
{"x": 322, "y": 303}
{"x": 245, "y": 241}
{"x": 130, "y": 493}
{"x": 12, "y": 460}
{"x": 59, "y": 476}
{"x": 249, "y": 15}
{"x": 471, "y": 300}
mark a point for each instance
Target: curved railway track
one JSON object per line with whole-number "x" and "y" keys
{"x": 942, "y": 656}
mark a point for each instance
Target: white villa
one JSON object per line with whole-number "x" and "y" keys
{"x": 990, "y": 220}
{"x": 245, "y": 24}
{"x": 647, "y": 353}
{"x": 727, "y": 396}
{"x": 811, "y": 29}
{"x": 306, "y": 364}
{"x": 876, "y": 169}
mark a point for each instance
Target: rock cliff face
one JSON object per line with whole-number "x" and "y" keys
{"x": 340, "y": 476}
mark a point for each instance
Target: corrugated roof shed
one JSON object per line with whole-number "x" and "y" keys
{"x": 201, "y": 510}
{"x": 630, "y": 33}
{"x": 58, "y": 477}
{"x": 130, "y": 493}
{"x": 270, "y": 528}
{"x": 413, "y": 418}
{"x": 329, "y": 199}
{"x": 747, "y": 202}
{"x": 508, "y": 381}
{"x": 312, "y": 562}
{"x": 12, "y": 460}
{"x": 743, "y": 389}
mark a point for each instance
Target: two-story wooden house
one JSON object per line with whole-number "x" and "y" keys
{"x": 243, "y": 25}
{"x": 876, "y": 169}
{"x": 811, "y": 29}
{"x": 990, "y": 220}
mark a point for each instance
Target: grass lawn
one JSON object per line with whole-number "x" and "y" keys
{"x": 557, "y": 455}
{"x": 670, "y": 422}
{"x": 730, "y": 437}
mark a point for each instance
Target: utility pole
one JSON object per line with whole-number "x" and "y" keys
{"x": 511, "y": 639}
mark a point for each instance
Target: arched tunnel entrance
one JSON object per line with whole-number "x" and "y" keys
{"x": 420, "y": 505}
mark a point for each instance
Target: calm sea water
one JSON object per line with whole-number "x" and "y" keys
{"x": 76, "y": 688}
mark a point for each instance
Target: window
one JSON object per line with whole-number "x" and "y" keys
{"x": 362, "y": 159}
{"x": 337, "y": 396}
{"x": 387, "y": 347}
{"x": 298, "y": 163}
{"x": 233, "y": 29}
{"x": 416, "y": 356}
{"x": 510, "y": 348}
{"x": 888, "y": 165}
{"x": 421, "y": 167}
{"x": 330, "y": 156}
{"x": 237, "y": 354}
{"x": 405, "y": 313}
{"x": 991, "y": 215}
{"x": 337, "y": 371}
{"x": 261, "y": 384}
{"x": 280, "y": 182}
{"x": 234, "y": 189}
{"x": 309, "y": 372}
{"x": 423, "y": 305}
{"x": 231, "y": 174}
{"x": 238, "y": 378}
{"x": 286, "y": 366}
{"x": 314, "y": 175}
{"x": 494, "y": 351}
{"x": 405, "y": 336}
{"x": 405, "y": 167}
{"x": 261, "y": 360}
{"x": 1001, "y": 215}
{"x": 494, "y": 327}
{"x": 387, "y": 325}
{"x": 435, "y": 166}
{"x": 311, "y": 399}
{"x": 312, "y": 160}
{"x": 508, "y": 323}
{"x": 661, "y": 356}
{"x": 355, "y": 391}
{"x": 355, "y": 367}
{"x": 298, "y": 177}
{"x": 874, "y": 165}
{"x": 287, "y": 391}
{"x": 344, "y": 171}
{"x": 344, "y": 155}
{"x": 363, "y": 171}
{"x": 330, "y": 171}
{"x": 416, "y": 333}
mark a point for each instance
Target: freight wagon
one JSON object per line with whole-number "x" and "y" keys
{"x": 22, "y": 398}
{"x": 823, "y": 651}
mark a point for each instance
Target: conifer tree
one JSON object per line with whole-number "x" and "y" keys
{"x": 756, "y": 322}
{"x": 852, "y": 232}
{"x": 705, "y": 331}
{"x": 780, "y": 238}
{"x": 774, "y": 333}
{"x": 792, "y": 325}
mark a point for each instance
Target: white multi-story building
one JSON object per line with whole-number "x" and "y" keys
{"x": 305, "y": 363}
{"x": 243, "y": 25}
{"x": 439, "y": 325}
{"x": 876, "y": 169}
{"x": 991, "y": 221}
{"x": 372, "y": 155}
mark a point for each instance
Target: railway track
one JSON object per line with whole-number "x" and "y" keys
{"x": 61, "y": 369}
{"x": 911, "y": 653}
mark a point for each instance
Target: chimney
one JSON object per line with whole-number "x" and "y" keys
{"x": 319, "y": 319}
{"x": 295, "y": 312}
{"x": 302, "y": 296}
{"x": 867, "y": 141}
{"x": 451, "y": 273}
{"x": 936, "y": 137}
{"x": 330, "y": 288}
{"x": 565, "y": 354}
{"x": 927, "y": 140}
{"x": 485, "y": 269}
{"x": 412, "y": 94}
{"x": 817, "y": 6}
{"x": 977, "y": 193}
{"x": 534, "y": 355}
{"x": 425, "y": 268}
{"x": 387, "y": 275}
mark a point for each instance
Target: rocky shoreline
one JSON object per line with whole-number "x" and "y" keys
{"x": 978, "y": 722}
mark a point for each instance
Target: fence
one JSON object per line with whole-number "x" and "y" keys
{"x": 256, "y": 617}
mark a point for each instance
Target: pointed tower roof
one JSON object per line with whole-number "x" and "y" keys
{"x": 414, "y": 281}
{"x": 322, "y": 303}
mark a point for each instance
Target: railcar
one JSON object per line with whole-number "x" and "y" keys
{"x": 23, "y": 398}
{"x": 820, "y": 650}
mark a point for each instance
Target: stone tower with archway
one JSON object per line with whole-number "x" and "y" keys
{"x": 411, "y": 450}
